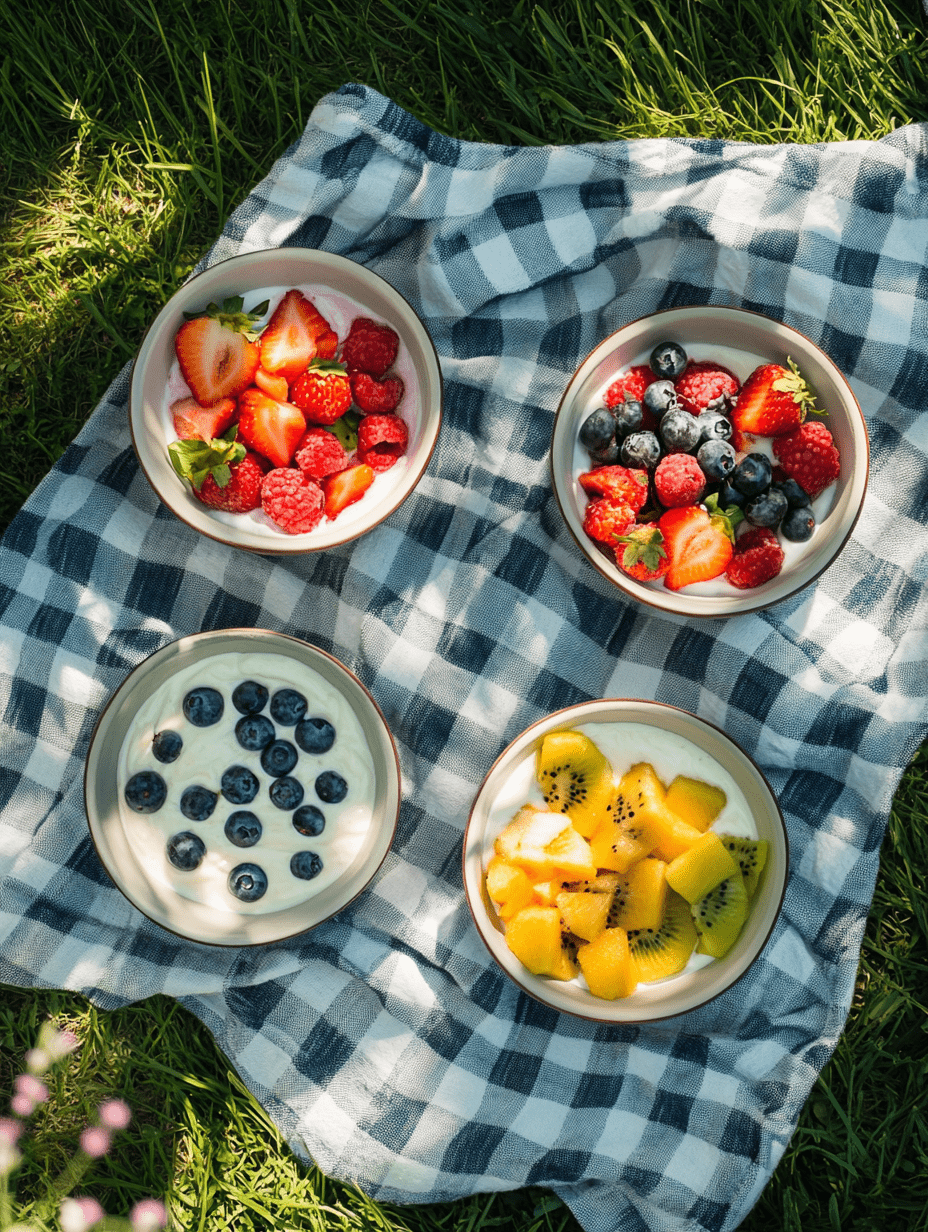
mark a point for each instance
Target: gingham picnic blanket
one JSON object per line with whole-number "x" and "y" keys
{"x": 386, "y": 1044}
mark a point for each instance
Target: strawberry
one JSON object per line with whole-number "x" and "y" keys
{"x": 640, "y": 553}
{"x": 679, "y": 480}
{"x": 773, "y": 400}
{"x": 605, "y": 519}
{"x": 757, "y": 558}
{"x": 381, "y": 440}
{"x": 370, "y": 347}
{"x": 323, "y": 392}
{"x": 273, "y": 385}
{"x": 221, "y": 472}
{"x": 202, "y": 423}
{"x": 216, "y": 350}
{"x": 345, "y": 488}
{"x": 272, "y": 428}
{"x": 296, "y": 333}
{"x": 320, "y": 453}
{"x": 292, "y": 500}
{"x": 698, "y": 547}
{"x": 376, "y": 397}
{"x": 705, "y": 382}
{"x": 618, "y": 482}
{"x": 809, "y": 456}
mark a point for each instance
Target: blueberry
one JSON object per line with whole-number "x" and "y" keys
{"x": 249, "y": 697}
{"x": 766, "y": 509}
{"x": 166, "y": 746}
{"x": 314, "y": 735}
{"x": 752, "y": 474}
{"x": 203, "y": 706}
{"x": 279, "y": 758}
{"x": 717, "y": 459}
{"x": 796, "y": 497}
{"x": 607, "y": 456}
{"x": 288, "y": 706}
{"x": 243, "y": 828}
{"x": 198, "y": 803}
{"x": 729, "y": 495}
{"x": 254, "y": 732}
{"x": 660, "y": 396}
{"x": 286, "y": 793}
{"x": 668, "y": 359}
{"x": 248, "y": 882}
{"x": 331, "y": 787}
{"x": 642, "y": 450}
{"x": 305, "y": 865}
{"x": 239, "y": 785}
{"x": 798, "y": 525}
{"x": 309, "y": 820}
{"x": 628, "y": 417}
{"x": 713, "y": 427}
{"x": 679, "y": 431}
{"x": 598, "y": 429}
{"x": 146, "y": 792}
{"x": 185, "y": 851}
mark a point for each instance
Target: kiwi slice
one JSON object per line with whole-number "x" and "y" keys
{"x": 720, "y": 916}
{"x": 665, "y": 951}
{"x": 751, "y": 856}
{"x": 575, "y": 779}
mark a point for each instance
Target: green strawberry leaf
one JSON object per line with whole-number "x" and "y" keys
{"x": 233, "y": 316}
{"x": 345, "y": 429}
{"x": 645, "y": 544}
{"x": 195, "y": 460}
{"x": 794, "y": 383}
{"x": 724, "y": 520}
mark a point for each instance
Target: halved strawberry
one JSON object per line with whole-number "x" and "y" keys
{"x": 345, "y": 488}
{"x": 273, "y": 385}
{"x": 618, "y": 482}
{"x": 698, "y": 549}
{"x": 272, "y": 428}
{"x": 773, "y": 400}
{"x": 217, "y": 356}
{"x": 202, "y": 423}
{"x": 296, "y": 333}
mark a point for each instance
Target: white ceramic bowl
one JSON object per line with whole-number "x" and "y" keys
{"x": 135, "y": 861}
{"x": 500, "y": 797}
{"x": 741, "y": 340}
{"x": 341, "y": 289}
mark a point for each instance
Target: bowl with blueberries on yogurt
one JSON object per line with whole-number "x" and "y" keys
{"x": 241, "y": 787}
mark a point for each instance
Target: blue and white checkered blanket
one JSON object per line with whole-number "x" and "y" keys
{"x": 386, "y": 1043}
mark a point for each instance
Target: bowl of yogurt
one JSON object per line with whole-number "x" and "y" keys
{"x": 740, "y": 341}
{"x": 628, "y": 733}
{"x": 241, "y": 787}
{"x": 342, "y": 291}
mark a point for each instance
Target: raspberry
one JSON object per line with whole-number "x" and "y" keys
{"x": 370, "y": 347}
{"x": 381, "y": 440}
{"x": 632, "y": 385}
{"x": 376, "y": 397}
{"x": 679, "y": 481}
{"x": 757, "y": 558}
{"x": 606, "y": 518}
{"x": 618, "y": 482}
{"x": 291, "y": 500}
{"x": 703, "y": 382}
{"x": 809, "y": 456}
{"x": 319, "y": 453}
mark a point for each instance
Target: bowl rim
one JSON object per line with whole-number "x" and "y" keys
{"x": 565, "y": 718}
{"x": 173, "y": 647}
{"x": 216, "y": 530}
{"x": 732, "y": 607}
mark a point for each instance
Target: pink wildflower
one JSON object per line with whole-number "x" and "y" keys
{"x": 95, "y": 1142}
{"x": 29, "y": 1085}
{"x": 115, "y": 1114}
{"x": 22, "y": 1105}
{"x": 148, "y": 1215}
{"x": 10, "y": 1130}
{"x": 79, "y": 1214}
{"x": 10, "y": 1158}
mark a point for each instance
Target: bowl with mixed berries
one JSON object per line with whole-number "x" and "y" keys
{"x": 241, "y": 786}
{"x": 709, "y": 461}
{"x": 285, "y": 401}
{"x": 625, "y": 861}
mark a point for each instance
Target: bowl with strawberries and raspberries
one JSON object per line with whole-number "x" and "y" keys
{"x": 285, "y": 401}
{"x": 709, "y": 461}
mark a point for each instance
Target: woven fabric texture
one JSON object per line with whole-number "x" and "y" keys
{"x": 386, "y": 1043}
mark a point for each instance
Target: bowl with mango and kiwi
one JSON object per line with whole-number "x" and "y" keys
{"x": 625, "y": 861}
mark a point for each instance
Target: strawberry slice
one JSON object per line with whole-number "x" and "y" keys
{"x": 216, "y": 352}
{"x": 345, "y": 488}
{"x": 296, "y": 333}
{"x": 773, "y": 400}
{"x": 271, "y": 428}
{"x": 274, "y": 386}
{"x": 202, "y": 423}
{"x": 698, "y": 548}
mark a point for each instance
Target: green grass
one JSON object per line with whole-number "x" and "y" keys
{"x": 128, "y": 132}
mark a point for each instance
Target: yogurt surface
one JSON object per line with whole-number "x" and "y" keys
{"x": 208, "y": 752}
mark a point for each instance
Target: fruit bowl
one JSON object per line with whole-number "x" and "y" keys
{"x": 740, "y": 340}
{"x": 339, "y": 288}
{"x": 677, "y": 743}
{"x": 252, "y": 818}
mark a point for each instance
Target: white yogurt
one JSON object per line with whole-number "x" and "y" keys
{"x": 209, "y": 751}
